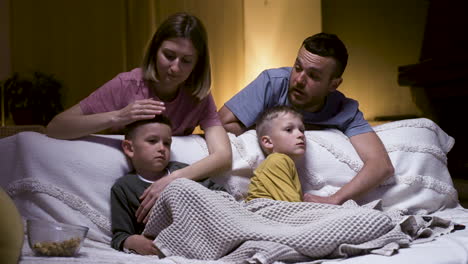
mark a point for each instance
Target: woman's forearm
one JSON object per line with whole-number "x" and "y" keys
{"x": 218, "y": 161}
{"x": 72, "y": 124}
{"x": 209, "y": 166}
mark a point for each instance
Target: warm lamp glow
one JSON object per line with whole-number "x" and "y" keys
{"x": 272, "y": 34}
{"x": 274, "y": 31}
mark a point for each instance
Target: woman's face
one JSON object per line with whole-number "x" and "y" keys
{"x": 175, "y": 60}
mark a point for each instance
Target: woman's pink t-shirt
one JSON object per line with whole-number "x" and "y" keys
{"x": 184, "y": 111}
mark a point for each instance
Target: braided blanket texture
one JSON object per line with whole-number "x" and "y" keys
{"x": 191, "y": 221}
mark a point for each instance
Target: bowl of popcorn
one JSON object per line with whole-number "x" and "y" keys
{"x": 55, "y": 239}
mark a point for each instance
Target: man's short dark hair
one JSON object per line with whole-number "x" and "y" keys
{"x": 328, "y": 45}
{"x": 129, "y": 130}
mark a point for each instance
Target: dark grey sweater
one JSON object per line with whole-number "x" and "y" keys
{"x": 125, "y": 202}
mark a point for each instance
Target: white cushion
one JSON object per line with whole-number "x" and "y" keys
{"x": 70, "y": 180}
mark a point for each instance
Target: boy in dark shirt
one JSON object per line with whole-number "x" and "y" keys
{"x": 147, "y": 144}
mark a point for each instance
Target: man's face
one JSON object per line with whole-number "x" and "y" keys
{"x": 311, "y": 80}
{"x": 287, "y": 135}
{"x": 151, "y": 147}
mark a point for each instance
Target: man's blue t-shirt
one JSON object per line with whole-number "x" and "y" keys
{"x": 270, "y": 89}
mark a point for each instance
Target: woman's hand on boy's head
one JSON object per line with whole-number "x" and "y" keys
{"x": 151, "y": 194}
{"x": 138, "y": 110}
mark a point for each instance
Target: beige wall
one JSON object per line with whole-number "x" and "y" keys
{"x": 274, "y": 31}
{"x": 89, "y": 42}
{"x": 380, "y": 36}
{"x": 5, "y": 60}
{"x": 223, "y": 22}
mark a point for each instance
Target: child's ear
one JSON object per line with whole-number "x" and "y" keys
{"x": 127, "y": 147}
{"x": 266, "y": 142}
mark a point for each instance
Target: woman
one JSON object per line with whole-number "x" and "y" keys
{"x": 174, "y": 79}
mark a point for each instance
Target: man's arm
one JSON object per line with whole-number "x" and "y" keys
{"x": 377, "y": 167}
{"x": 230, "y": 122}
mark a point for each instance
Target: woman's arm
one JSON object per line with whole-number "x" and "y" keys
{"x": 72, "y": 123}
{"x": 218, "y": 160}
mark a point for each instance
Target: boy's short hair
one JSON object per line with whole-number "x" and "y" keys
{"x": 129, "y": 129}
{"x": 263, "y": 124}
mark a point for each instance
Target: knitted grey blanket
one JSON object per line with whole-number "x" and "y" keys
{"x": 191, "y": 221}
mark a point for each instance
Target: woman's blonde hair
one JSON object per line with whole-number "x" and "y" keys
{"x": 182, "y": 25}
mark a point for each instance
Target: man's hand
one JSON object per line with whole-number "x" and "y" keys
{"x": 142, "y": 245}
{"x": 320, "y": 199}
{"x": 150, "y": 195}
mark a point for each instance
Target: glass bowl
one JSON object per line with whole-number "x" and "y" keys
{"x": 55, "y": 239}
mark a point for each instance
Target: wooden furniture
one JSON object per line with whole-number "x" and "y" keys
{"x": 439, "y": 81}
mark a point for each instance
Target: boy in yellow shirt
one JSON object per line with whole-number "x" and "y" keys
{"x": 280, "y": 133}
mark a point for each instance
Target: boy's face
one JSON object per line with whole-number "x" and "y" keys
{"x": 286, "y": 136}
{"x": 150, "y": 148}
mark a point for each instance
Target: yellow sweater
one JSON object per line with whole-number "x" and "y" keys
{"x": 276, "y": 178}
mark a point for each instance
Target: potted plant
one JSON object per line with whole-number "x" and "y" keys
{"x": 32, "y": 99}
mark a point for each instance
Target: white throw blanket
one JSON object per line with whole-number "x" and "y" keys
{"x": 191, "y": 221}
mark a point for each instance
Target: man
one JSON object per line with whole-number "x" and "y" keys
{"x": 311, "y": 87}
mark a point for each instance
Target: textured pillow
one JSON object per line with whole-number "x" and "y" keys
{"x": 417, "y": 148}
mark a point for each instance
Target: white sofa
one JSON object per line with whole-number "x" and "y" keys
{"x": 69, "y": 180}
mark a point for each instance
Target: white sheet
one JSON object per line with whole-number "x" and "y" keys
{"x": 448, "y": 249}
